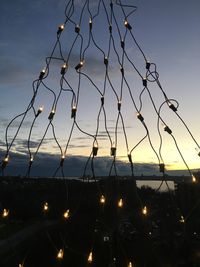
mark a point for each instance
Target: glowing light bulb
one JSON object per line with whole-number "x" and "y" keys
{"x": 73, "y": 112}
{"x": 90, "y": 257}
{"x": 5, "y": 213}
{"x": 63, "y": 69}
{"x": 62, "y": 160}
{"x": 51, "y": 115}
{"x": 120, "y": 203}
{"x": 79, "y": 65}
{"x": 144, "y": 210}
{"x": 95, "y": 149}
{"x": 66, "y": 214}
{"x": 42, "y": 73}
{"x": 127, "y": 25}
{"x": 45, "y": 207}
{"x": 60, "y": 254}
{"x": 5, "y": 162}
{"x": 102, "y": 199}
{"x": 21, "y": 265}
{"x": 194, "y": 179}
{"x": 130, "y": 264}
{"x": 182, "y": 220}
{"x": 40, "y": 109}
{"x": 60, "y": 28}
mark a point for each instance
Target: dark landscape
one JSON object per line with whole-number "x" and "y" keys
{"x": 116, "y": 235}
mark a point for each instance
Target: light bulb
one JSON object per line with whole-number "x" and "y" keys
{"x": 95, "y": 149}
{"x": 46, "y": 207}
{"x": 194, "y": 179}
{"x": 66, "y": 214}
{"x": 60, "y": 254}
{"x": 130, "y": 264}
{"x": 127, "y": 25}
{"x": 5, "y": 162}
{"x": 5, "y": 213}
{"x": 40, "y": 109}
{"x": 113, "y": 151}
{"x": 144, "y": 210}
{"x": 90, "y": 257}
{"x": 21, "y": 265}
{"x": 102, "y": 199}
{"x": 60, "y": 28}
{"x": 120, "y": 203}
{"x": 51, "y": 115}
{"x": 182, "y": 220}
{"x": 62, "y": 160}
{"x": 63, "y": 69}
{"x": 73, "y": 112}
{"x": 140, "y": 117}
{"x": 79, "y": 65}
{"x": 42, "y": 73}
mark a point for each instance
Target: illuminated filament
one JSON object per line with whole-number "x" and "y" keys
{"x": 45, "y": 207}
{"x": 144, "y": 210}
{"x": 120, "y": 203}
{"x": 5, "y": 213}
{"x": 194, "y": 179}
{"x": 182, "y": 220}
{"x": 90, "y": 258}
{"x": 60, "y": 254}
{"x": 130, "y": 264}
{"x": 102, "y": 199}
{"x": 66, "y": 214}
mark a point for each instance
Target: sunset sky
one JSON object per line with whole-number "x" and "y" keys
{"x": 169, "y": 35}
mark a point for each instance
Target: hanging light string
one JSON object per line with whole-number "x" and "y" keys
{"x": 124, "y": 31}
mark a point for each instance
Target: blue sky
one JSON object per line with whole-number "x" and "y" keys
{"x": 168, "y": 33}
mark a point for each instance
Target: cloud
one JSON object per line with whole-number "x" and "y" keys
{"x": 46, "y": 164}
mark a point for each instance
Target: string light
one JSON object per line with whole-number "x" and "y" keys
{"x": 182, "y": 220}
{"x": 144, "y": 211}
{"x": 167, "y": 129}
{"x": 140, "y": 117}
{"x": 119, "y": 104}
{"x": 60, "y": 28}
{"x": 5, "y": 161}
{"x": 62, "y": 160}
{"x": 120, "y": 203}
{"x": 79, "y": 65}
{"x": 5, "y": 213}
{"x": 144, "y": 82}
{"x": 162, "y": 167}
{"x": 95, "y": 149}
{"x": 90, "y": 257}
{"x": 63, "y": 69}
{"x": 73, "y": 112}
{"x": 42, "y": 73}
{"x": 113, "y": 151}
{"x": 148, "y": 64}
{"x": 90, "y": 24}
{"x": 66, "y": 214}
{"x": 127, "y": 25}
{"x": 60, "y": 254}
{"x": 51, "y": 115}
{"x": 45, "y": 207}
{"x": 77, "y": 29}
{"x": 102, "y": 199}
{"x": 194, "y": 178}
